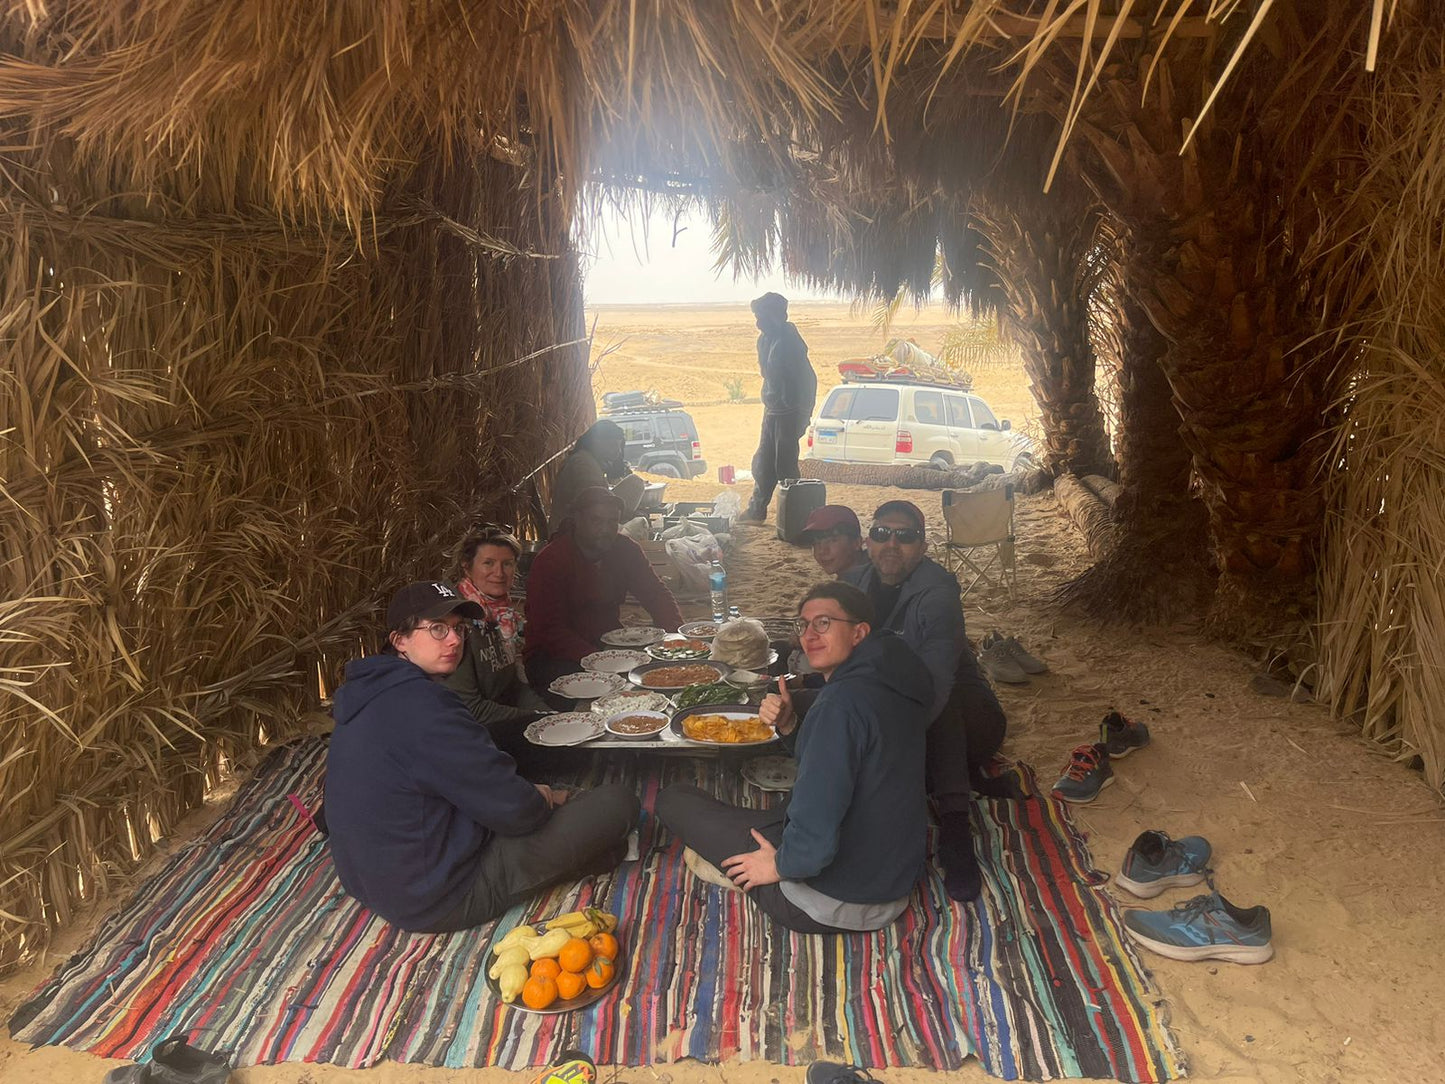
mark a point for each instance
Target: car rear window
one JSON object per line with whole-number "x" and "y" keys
{"x": 636, "y": 428}
{"x": 838, "y": 403}
{"x": 875, "y": 405}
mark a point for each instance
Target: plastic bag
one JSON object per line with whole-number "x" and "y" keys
{"x": 728, "y": 504}
{"x": 693, "y": 556}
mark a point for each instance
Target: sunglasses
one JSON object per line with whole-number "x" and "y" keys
{"x": 905, "y": 536}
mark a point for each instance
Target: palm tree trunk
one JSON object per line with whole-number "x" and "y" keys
{"x": 1038, "y": 251}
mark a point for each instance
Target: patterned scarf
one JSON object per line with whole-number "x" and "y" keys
{"x": 500, "y": 612}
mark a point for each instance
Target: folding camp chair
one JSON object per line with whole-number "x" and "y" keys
{"x": 981, "y": 536}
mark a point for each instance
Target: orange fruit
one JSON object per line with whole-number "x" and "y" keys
{"x": 570, "y": 984}
{"x": 539, "y": 992}
{"x": 600, "y": 973}
{"x": 545, "y": 968}
{"x": 575, "y": 955}
{"x": 604, "y": 944}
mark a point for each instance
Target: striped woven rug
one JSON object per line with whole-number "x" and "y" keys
{"x": 245, "y": 940}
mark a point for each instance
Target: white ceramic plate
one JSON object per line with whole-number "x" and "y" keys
{"x": 631, "y": 700}
{"x": 633, "y": 636}
{"x": 586, "y": 686}
{"x": 699, "y": 630}
{"x": 615, "y": 661}
{"x": 659, "y": 718}
{"x": 569, "y": 728}
{"x": 775, "y": 773}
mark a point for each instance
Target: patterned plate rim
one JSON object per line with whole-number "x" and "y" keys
{"x": 615, "y": 682}
{"x": 540, "y": 726}
{"x": 645, "y": 629}
{"x": 630, "y": 656}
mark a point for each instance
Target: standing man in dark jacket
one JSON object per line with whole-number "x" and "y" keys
{"x": 920, "y": 599}
{"x": 844, "y": 852}
{"x": 789, "y": 390}
{"x": 431, "y": 826}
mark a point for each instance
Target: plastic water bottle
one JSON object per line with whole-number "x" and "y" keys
{"x": 717, "y": 581}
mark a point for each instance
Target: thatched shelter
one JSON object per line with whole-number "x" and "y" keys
{"x": 291, "y": 295}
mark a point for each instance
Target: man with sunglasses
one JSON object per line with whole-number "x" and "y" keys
{"x": 843, "y": 853}
{"x": 920, "y": 600}
{"x": 430, "y": 825}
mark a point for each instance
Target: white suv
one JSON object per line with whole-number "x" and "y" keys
{"x": 890, "y": 421}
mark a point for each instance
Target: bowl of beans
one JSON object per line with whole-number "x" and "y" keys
{"x": 636, "y": 725}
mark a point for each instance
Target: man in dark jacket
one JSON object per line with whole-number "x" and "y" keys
{"x": 920, "y": 600}
{"x": 431, "y": 827}
{"x": 844, "y": 852}
{"x": 789, "y": 389}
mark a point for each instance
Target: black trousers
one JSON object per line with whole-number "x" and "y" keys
{"x": 776, "y": 458}
{"x": 967, "y": 733}
{"x": 586, "y": 836}
{"x": 717, "y": 831}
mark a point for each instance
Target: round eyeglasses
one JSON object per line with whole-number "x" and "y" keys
{"x": 821, "y": 624}
{"x": 440, "y": 630}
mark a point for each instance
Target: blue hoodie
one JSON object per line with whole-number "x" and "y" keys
{"x": 856, "y": 825}
{"x": 415, "y": 789}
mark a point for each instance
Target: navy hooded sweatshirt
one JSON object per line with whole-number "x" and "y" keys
{"x": 415, "y": 790}
{"x": 856, "y": 825}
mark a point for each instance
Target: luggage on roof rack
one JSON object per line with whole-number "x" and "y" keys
{"x": 884, "y": 368}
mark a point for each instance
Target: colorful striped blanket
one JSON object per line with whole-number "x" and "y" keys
{"x": 245, "y": 940}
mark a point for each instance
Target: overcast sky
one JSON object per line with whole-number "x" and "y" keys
{"x": 640, "y": 263}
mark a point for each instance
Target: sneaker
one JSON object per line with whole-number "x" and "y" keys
{"x": 571, "y": 1067}
{"x": 1155, "y": 863}
{"x": 1205, "y": 928}
{"x": 1029, "y": 664}
{"x": 1087, "y": 774}
{"x": 835, "y": 1072}
{"x": 1122, "y": 735}
{"x": 1000, "y": 665}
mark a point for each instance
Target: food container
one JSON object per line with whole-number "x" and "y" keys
{"x": 637, "y": 725}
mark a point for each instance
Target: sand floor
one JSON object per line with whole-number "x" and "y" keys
{"x": 1344, "y": 846}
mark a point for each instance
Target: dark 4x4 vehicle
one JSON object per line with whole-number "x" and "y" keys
{"x": 661, "y": 437}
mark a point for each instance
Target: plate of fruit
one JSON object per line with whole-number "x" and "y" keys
{"x": 558, "y": 965}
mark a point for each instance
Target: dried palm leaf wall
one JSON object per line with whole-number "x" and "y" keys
{"x": 232, "y": 419}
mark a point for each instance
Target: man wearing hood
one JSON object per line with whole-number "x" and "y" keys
{"x": 430, "y": 825}
{"x": 789, "y": 389}
{"x": 920, "y": 600}
{"x": 598, "y": 458}
{"x": 844, "y": 852}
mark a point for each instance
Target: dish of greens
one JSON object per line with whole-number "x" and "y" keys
{"x": 719, "y": 692}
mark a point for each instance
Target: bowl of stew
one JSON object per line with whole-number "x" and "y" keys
{"x": 637, "y": 725}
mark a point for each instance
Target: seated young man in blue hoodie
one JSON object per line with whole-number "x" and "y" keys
{"x": 431, "y": 826}
{"x": 844, "y": 852}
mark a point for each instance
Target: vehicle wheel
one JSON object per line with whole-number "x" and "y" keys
{"x": 941, "y": 461}
{"x": 666, "y": 470}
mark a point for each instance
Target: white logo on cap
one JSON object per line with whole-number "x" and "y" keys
{"x": 445, "y": 591}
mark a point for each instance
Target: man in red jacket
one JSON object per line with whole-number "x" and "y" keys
{"x": 577, "y": 586}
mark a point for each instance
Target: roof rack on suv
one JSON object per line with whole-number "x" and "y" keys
{"x": 885, "y": 369}
{"x": 632, "y": 402}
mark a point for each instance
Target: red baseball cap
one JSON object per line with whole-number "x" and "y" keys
{"x": 833, "y": 517}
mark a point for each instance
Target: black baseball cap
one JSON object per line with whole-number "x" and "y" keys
{"x": 427, "y": 600}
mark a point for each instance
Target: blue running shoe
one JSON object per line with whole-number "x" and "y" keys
{"x": 1155, "y": 863}
{"x": 1204, "y": 928}
{"x": 1087, "y": 774}
{"x": 1122, "y": 735}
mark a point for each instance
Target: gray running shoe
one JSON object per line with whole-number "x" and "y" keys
{"x": 1029, "y": 664}
{"x": 1207, "y": 927}
{"x": 1156, "y": 863}
{"x": 999, "y": 664}
{"x": 1122, "y": 735}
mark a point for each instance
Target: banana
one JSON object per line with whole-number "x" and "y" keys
{"x": 511, "y": 980}
{"x": 570, "y": 921}
{"x": 549, "y": 944}
{"x": 511, "y": 957}
{"x": 606, "y": 920}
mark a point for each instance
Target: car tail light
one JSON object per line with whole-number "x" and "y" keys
{"x": 697, "y": 449}
{"x": 904, "y": 443}
{"x": 810, "y": 436}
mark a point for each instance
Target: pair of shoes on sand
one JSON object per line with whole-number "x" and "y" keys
{"x": 1205, "y": 927}
{"x": 1090, "y": 770}
{"x": 1005, "y": 659}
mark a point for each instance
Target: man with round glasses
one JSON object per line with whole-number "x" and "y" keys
{"x": 430, "y": 825}
{"x": 843, "y": 853}
{"x": 921, "y": 601}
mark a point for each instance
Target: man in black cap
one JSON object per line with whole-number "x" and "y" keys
{"x": 431, "y": 827}
{"x": 789, "y": 390}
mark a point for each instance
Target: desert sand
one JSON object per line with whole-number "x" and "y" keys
{"x": 1344, "y": 846}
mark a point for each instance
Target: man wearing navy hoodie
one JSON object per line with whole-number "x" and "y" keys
{"x": 845, "y": 851}
{"x": 431, "y": 826}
